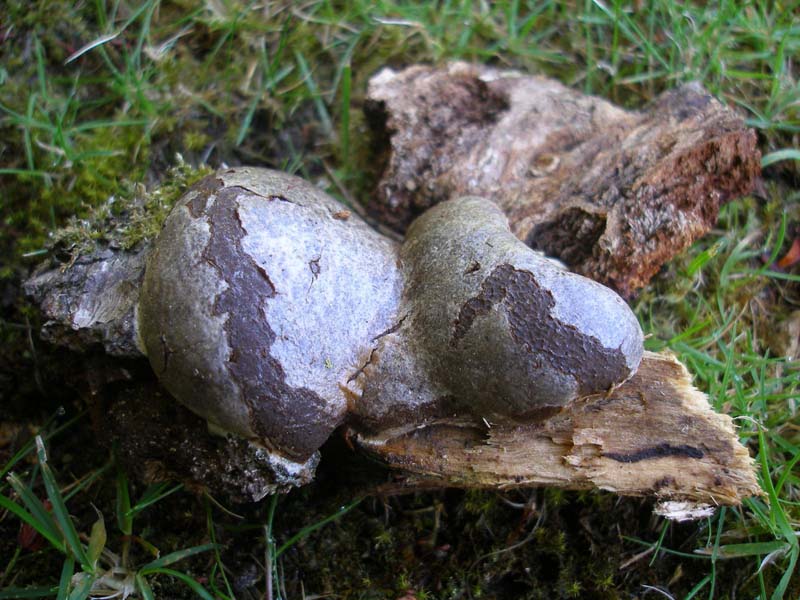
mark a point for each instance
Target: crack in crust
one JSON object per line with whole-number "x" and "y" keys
{"x": 394, "y": 328}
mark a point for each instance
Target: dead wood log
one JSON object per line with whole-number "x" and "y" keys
{"x": 655, "y": 435}
{"x": 612, "y": 193}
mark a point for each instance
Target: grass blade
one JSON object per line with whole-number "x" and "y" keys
{"x": 777, "y": 518}
{"x": 746, "y": 549}
{"x": 779, "y": 155}
{"x": 152, "y": 495}
{"x": 777, "y": 515}
{"x": 144, "y": 588}
{"x": 87, "y": 481}
{"x": 28, "y": 447}
{"x": 189, "y": 581}
{"x": 124, "y": 514}
{"x": 700, "y": 585}
{"x": 84, "y": 587}
{"x": 316, "y": 97}
{"x": 60, "y": 511}
{"x": 67, "y": 571}
{"x": 344, "y": 136}
{"x": 783, "y": 584}
{"x": 97, "y": 541}
{"x": 103, "y": 39}
{"x": 174, "y": 557}
{"x": 787, "y": 471}
{"x": 36, "y": 516}
{"x": 311, "y": 528}
{"x": 217, "y": 556}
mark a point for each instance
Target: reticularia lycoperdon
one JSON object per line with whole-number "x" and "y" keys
{"x": 276, "y": 315}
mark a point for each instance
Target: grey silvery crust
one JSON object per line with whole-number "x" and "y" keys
{"x": 277, "y": 316}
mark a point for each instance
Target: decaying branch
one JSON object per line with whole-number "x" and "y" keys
{"x": 654, "y": 435}
{"x": 612, "y": 193}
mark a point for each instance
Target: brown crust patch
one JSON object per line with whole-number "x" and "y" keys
{"x": 203, "y": 190}
{"x": 528, "y": 307}
{"x": 292, "y": 420}
{"x": 660, "y": 205}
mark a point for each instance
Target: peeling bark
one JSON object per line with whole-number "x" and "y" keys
{"x": 92, "y": 300}
{"x": 614, "y": 194}
{"x": 159, "y": 439}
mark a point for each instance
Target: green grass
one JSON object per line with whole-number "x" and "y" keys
{"x": 89, "y": 567}
{"x": 98, "y": 98}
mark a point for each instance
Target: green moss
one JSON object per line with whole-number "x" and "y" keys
{"x": 125, "y": 222}
{"x": 106, "y": 163}
{"x": 195, "y": 141}
{"x": 478, "y": 502}
{"x": 148, "y": 217}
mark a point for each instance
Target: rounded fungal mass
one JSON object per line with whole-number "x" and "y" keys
{"x": 257, "y": 304}
{"x": 505, "y": 326}
{"x": 275, "y": 319}
{"x": 493, "y": 329}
